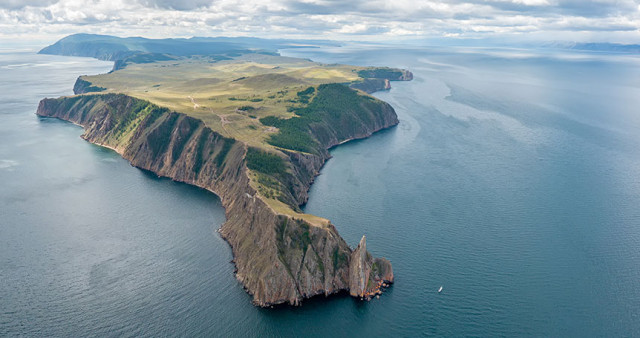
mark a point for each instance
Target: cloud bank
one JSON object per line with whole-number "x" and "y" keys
{"x": 579, "y": 20}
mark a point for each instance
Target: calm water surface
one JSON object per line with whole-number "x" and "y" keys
{"x": 513, "y": 181}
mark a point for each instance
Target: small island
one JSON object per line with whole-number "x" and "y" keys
{"x": 236, "y": 118}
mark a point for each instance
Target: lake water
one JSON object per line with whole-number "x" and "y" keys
{"x": 513, "y": 181}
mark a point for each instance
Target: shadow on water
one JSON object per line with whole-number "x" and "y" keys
{"x": 386, "y": 131}
{"x": 318, "y": 303}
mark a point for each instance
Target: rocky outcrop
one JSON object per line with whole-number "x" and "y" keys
{"x": 82, "y": 87}
{"x": 379, "y": 79}
{"x": 279, "y": 258}
{"x": 359, "y": 269}
{"x": 368, "y": 276}
{"x": 371, "y": 85}
{"x": 406, "y": 75}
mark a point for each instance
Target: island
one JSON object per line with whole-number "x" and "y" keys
{"x": 235, "y": 117}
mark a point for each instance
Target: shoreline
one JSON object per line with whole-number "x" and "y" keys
{"x": 241, "y": 215}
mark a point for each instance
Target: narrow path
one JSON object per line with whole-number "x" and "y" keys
{"x": 195, "y": 104}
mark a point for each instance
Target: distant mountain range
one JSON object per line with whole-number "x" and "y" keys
{"x": 111, "y": 48}
{"x": 139, "y": 49}
{"x": 596, "y": 46}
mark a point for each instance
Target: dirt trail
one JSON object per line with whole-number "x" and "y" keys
{"x": 195, "y": 104}
{"x": 223, "y": 120}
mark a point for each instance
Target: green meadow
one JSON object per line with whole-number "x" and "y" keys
{"x": 263, "y": 100}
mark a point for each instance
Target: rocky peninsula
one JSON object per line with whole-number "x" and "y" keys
{"x": 255, "y": 129}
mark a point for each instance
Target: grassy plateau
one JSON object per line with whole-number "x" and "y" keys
{"x": 264, "y": 100}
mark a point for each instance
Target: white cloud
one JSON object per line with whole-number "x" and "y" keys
{"x": 615, "y": 20}
{"x": 530, "y": 2}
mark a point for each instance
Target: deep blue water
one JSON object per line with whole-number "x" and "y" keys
{"x": 513, "y": 181}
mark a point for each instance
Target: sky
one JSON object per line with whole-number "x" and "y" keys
{"x": 616, "y": 21}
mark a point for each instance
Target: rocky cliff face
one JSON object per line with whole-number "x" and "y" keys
{"x": 81, "y": 87}
{"x": 368, "y": 276}
{"x": 406, "y": 75}
{"x": 374, "y": 84}
{"x": 279, "y": 259}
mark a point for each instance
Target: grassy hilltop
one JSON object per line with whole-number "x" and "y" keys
{"x": 264, "y": 100}
{"x": 230, "y": 96}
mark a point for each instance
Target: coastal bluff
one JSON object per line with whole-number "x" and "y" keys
{"x": 249, "y": 125}
{"x": 279, "y": 258}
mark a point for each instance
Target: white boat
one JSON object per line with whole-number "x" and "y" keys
{"x": 440, "y": 289}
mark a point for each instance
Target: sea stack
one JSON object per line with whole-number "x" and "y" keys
{"x": 366, "y": 274}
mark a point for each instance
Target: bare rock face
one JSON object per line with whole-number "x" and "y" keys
{"x": 359, "y": 269}
{"x": 387, "y": 84}
{"x": 374, "y": 84}
{"x": 368, "y": 276}
{"x": 406, "y": 75}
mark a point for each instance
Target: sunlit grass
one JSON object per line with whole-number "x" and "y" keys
{"x": 230, "y": 96}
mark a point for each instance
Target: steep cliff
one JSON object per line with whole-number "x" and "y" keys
{"x": 280, "y": 257}
{"x": 377, "y": 79}
{"x": 392, "y": 74}
{"x": 367, "y": 275}
{"x": 82, "y": 87}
